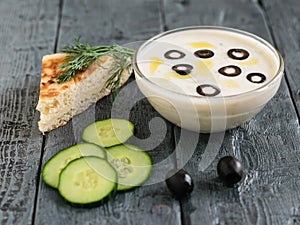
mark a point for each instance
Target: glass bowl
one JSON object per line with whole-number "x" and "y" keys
{"x": 190, "y": 110}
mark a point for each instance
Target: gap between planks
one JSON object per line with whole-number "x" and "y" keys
{"x": 38, "y": 176}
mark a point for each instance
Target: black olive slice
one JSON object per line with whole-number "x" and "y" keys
{"x": 204, "y": 53}
{"x": 182, "y": 69}
{"x": 238, "y": 53}
{"x": 174, "y": 54}
{"x": 256, "y": 78}
{"x": 208, "y": 90}
{"x": 230, "y": 71}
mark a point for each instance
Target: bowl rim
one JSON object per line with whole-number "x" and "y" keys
{"x": 278, "y": 74}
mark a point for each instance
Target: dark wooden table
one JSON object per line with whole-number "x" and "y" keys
{"x": 268, "y": 145}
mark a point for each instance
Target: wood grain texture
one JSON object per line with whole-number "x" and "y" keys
{"x": 27, "y": 31}
{"x": 284, "y": 21}
{"x": 106, "y": 22}
{"x": 265, "y": 196}
{"x": 268, "y": 145}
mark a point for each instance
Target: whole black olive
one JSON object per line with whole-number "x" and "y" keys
{"x": 180, "y": 183}
{"x": 230, "y": 170}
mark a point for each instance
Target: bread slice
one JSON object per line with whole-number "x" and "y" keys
{"x": 59, "y": 102}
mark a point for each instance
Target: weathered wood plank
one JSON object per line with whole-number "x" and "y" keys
{"x": 27, "y": 31}
{"x": 268, "y": 145}
{"x": 284, "y": 20}
{"x": 106, "y": 22}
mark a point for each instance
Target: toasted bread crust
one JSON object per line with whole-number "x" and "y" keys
{"x": 49, "y": 87}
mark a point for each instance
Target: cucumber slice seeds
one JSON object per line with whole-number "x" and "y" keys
{"x": 58, "y": 162}
{"x": 88, "y": 180}
{"x": 108, "y": 132}
{"x": 132, "y": 164}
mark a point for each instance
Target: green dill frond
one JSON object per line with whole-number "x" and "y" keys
{"x": 123, "y": 62}
{"x": 80, "y": 56}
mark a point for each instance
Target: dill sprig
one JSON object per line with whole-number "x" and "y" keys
{"x": 80, "y": 56}
{"x": 124, "y": 63}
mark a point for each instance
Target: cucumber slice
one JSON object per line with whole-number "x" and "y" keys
{"x": 108, "y": 132}
{"x": 132, "y": 164}
{"x": 54, "y": 166}
{"x": 88, "y": 181}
